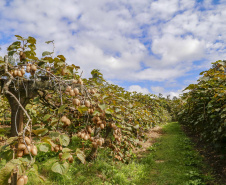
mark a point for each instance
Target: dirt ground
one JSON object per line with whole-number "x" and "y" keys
{"x": 152, "y": 135}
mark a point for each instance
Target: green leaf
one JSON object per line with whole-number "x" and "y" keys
{"x": 51, "y": 41}
{"x": 19, "y": 37}
{"x": 40, "y": 131}
{"x": 46, "y": 53}
{"x": 46, "y": 117}
{"x": 66, "y": 150}
{"x": 64, "y": 140}
{"x": 82, "y": 109}
{"x": 5, "y": 172}
{"x": 31, "y": 40}
{"x": 44, "y": 147}
{"x": 61, "y": 57}
{"x": 60, "y": 168}
{"x": 81, "y": 156}
{"x": 102, "y": 106}
{"x": 61, "y": 109}
{"x": 66, "y": 155}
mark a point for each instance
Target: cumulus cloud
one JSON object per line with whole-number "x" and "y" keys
{"x": 136, "y": 40}
{"x": 138, "y": 89}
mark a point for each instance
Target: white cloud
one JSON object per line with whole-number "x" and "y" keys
{"x": 157, "y": 89}
{"x": 138, "y": 89}
{"x": 175, "y": 50}
{"x": 167, "y": 36}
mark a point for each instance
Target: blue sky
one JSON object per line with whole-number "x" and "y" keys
{"x": 148, "y": 46}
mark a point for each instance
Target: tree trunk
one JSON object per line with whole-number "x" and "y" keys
{"x": 17, "y": 114}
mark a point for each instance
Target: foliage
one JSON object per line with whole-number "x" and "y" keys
{"x": 205, "y": 107}
{"x": 99, "y": 114}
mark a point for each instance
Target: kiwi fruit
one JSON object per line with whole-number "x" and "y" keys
{"x": 21, "y": 146}
{"x": 60, "y": 155}
{"x": 15, "y": 73}
{"x": 56, "y": 148}
{"x": 64, "y": 119}
{"x": 19, "y": 73}
{"x": 80, "y": 81}
{"x": 91, "y": 139}
{"x": 76, "y": 102}
{"x": 94, "y": 144}
{"x": 20, "y": 181}
{"x": 25, "y": 178}
{"x": 68, "y": 88}
{"x": 70, "y": 159}
{"x": 20, "y": 153}
{"x": 71, "y": 92}
{"x": 89, "y": 129}
{"x": 34, "y": 150}
{"x": 74, "y": 81}
{"x": 79, "y": 134}
{"x": 67, "y": 122}
{"x": 22, "y": 71}
{"x": 86, "y": 137}
{"x": 82, "y": 135}
{"x": 27, "y": 150}
{"x": 27, "y": 140}
{"x": 28, "y": 69}
{"x": 99, "y": 142}
{"x": 76, "y": 91}
{"x": 102, "y": 126}
{"x": 33, "y": 67}
{"x": 87, "y": 103}
{"x": 99, "y": 122}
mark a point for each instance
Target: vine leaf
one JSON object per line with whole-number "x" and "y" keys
{"x": 60, "y": 168}
{"x": 81, "y": 156}
{"x": 64, "y": 140}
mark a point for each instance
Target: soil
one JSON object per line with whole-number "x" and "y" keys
{"x": 151, "y": 135}
{"x": 213, "y": 158}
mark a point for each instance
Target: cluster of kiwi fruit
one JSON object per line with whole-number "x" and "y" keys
{"x": 70, "y": 158}
{"x": 18, "y": 72}
{"x": 31, "y": 68}
{"x": 118, "y": 157}
{"x": 22, "y": 180}
{"x": 85, "y": 134}
{"x": 117, "y": 134}
{"x": 57, "y": 147}
{"x": 23, "y": 150}
{"x": 97, "y": 142}
{"x": 99, "y": 120}
{"x": 66, "y": 121}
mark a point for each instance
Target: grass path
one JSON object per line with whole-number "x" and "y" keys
{"x": 173, "y": 160}
{"x": 168, "y": 158}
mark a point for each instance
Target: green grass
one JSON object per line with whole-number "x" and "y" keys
{"x": 170, "y": 161}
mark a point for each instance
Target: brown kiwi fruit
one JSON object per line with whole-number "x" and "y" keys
{"x": 87, "y": 103}
{"x": 27, "y": 149}
{"x": 25, "y": 178}
{"x": 33, "y": 67}
{"x": 76, "y": 102}
{"x": 21, "y": 146}
{"x": 56, "y": 148}
{"x": 60, "y": 155}
{"x": 28, "y": 69}
{"x": 70, "y": 159}
{"x": 71, "y": 92}
{"x": 34, "y": 150}
{"x": 102, "y": 126}
{"x": 68, "y": 88}
{"x": 64, "y": 119}
{"x": 20, "y": 181}
{"x": 20, "y": 153}
{"x": 76, "y": 91}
